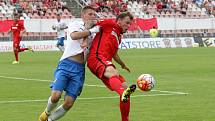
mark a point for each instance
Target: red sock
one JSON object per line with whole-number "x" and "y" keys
{"x": 116, "y": 84}
{"x": 16, "y": 53}
{"x": 22, "y": 49}
{"x": 125, "y": 109}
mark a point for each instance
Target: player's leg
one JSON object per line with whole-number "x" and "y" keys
{"x": 18, "y": 42}
{"x": 118, "y": 84}
{"x": 51, "y": 105}
{"x": 62, "y": 109}
{"x": 58, "y": 85}
{"x": 16, "y": 52}
{"x": 114, "y": 79}
{"x": 60, "y": 44}
{"x": 115, "y": 82}
{"x": 73, "y": 89}
{"x": 24, "y": 49}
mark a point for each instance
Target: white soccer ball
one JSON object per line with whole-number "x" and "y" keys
{"x": 145, "y": 82}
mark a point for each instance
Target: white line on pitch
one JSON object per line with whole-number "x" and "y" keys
{"x": 42, "y": 80}
{"x": 93, "y": 98}
{"x": 89, "y": 85}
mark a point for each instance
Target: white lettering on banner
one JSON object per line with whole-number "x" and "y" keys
{"x": 5, "y": 48}
{"x": 35, "y": 45}
{"x": 49, "y": 45}
{"x": 139, "y": 44}
{"x": 156, "y": 43}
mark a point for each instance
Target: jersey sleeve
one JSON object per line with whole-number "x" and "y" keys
{"x": 74, "y": 27}
{"x": 64, "y": 25}
{"x": 103, "y": 22}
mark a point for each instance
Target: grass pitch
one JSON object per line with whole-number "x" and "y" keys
{"x": 184, "y": 90}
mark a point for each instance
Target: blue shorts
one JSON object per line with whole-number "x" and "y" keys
{"x": 60, "y": 41}
{"x": 69, "y": 77}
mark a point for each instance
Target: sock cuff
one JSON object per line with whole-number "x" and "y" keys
{"x": 121, "y": 78}
{"x": 116, "y": 76}
{"x": 61, "y": 107}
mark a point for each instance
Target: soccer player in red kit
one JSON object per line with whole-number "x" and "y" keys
{"x": 17, "y": 30}
{"x": 103, "y": 49}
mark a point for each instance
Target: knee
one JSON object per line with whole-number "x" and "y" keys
{"x": 15, "y": 49}
{"x": 115, "y": 72}
{"x": 110, "y": 71}
{"x": 55, "y": 98}
{"x": 68, "y": 104}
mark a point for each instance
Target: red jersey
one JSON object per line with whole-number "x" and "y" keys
{"x": 106, "y": 42}
{"x": 16, "y": 28}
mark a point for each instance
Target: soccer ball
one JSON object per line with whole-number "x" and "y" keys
{"x": 153, "y": 32}
{"x": 145, "y": 82}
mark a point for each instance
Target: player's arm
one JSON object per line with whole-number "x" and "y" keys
{"x": 84, "y": 44}
{"x": 120, "y": 62}
{"x": 53, "y": 27}
{"x": 85, "y": 33}
{"x": 9, "y": 31}
{"x": 79, "y": 35}
{"x": 64, "y": 26}
{"x": 22, "y": 32}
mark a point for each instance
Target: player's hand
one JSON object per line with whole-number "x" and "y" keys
{"x": 84, "y": 44}
{"x": 126, "y": 68}
{"x": 53, "y": 27}
{"x": 95, "y": 29}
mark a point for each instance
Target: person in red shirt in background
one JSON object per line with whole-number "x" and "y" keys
{"x": 17, "y": 30}
{"x": 104, "y": 48}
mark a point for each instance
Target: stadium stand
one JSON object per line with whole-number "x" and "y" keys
{"x": 34, "y": 9}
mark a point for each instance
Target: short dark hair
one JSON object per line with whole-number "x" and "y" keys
{"x": 85, "y": 8}
{"x": 15, "y": 14}
{"x": 123, "y": 15}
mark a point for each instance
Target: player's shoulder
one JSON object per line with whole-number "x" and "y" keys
{"x": 76, "y": 25}
{"x": 106, "y": 22}
{"x": 62, "y": 21}
{"x": 21, "y": 22}
{"x": 77, "y": 22}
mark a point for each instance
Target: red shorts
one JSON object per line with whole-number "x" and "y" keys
{"x": 97, "y": 67}
{"x": 16, "y": 42}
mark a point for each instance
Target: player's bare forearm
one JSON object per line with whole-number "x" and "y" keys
{"x": 22, "y": 32}
{"x": 80, "y": 35}
{"x": 9, "y": 32}
{"x": 120, "y": 62}
{"x": 64, "y": 28}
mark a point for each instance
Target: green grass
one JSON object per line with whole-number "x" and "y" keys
{"x": 188, "y": 70}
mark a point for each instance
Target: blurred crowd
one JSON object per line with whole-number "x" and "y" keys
{"x": 32, "y": 8}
